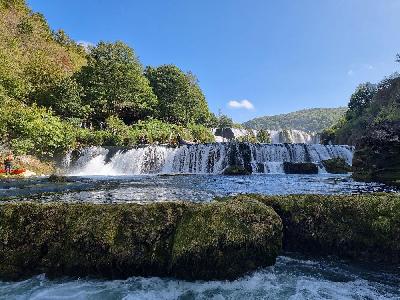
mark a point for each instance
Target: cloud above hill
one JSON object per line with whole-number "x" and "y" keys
{"x": 245, "y": 104}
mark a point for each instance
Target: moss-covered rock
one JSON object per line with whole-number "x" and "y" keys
{"x": 227, "y": 239}
{"x": 358, "y": 227}
{"x": 86, "y": 239}
{"x": 236, "y": 170}
{"x": 336, "y": 165}
{"x": 300, "y": 168}
{"x": 118, "y": 241}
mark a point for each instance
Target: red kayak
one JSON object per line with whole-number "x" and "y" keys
{"x": 13, "y": 172}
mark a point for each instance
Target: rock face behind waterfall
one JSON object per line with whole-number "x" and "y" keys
{"x": 212, "y": 158}
{"x": 377, "y": 155}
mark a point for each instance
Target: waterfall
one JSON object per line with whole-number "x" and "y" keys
{"x": 293, "y": 136}
{"x": 199, "y": 159}
{"x": 277, "y": 136}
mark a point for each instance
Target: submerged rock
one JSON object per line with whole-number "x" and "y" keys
{"x": 189, "y": 241}
{"x": 300, "y": 168}
{"x": 358, "y": 227}
{"x": 236, "y": 170}
{"x": 336, "y": 166}
{"x": 59, "y": 178}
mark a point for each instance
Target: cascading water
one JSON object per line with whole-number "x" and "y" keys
{"x": 200, "y": 158}
{"x": 277, "y": 136}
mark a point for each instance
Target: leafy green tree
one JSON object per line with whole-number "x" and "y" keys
{"x": 263, "y": 136}
{"x": 114, "y": 85}
{"x": 64, "y": 98}
{"x": 360, "y": 100}
{"x": 181, "y": 100}
{"x": 225, "y": 122}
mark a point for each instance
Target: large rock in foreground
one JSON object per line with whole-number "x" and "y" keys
{"x": 377, "y": 155}
{"x": 362, "y": 228}
{"x": 189, "y": 241}
{"x": 226, "y": 239}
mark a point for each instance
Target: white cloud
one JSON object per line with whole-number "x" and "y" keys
{"x": 86, "y": 44}
{"x": 246, "y": 104}
{"x": 350, "y": 72}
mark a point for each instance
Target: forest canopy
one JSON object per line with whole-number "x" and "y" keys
{"x": 102, "y": 95}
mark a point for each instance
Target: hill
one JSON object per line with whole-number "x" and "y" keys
{"x": 312, "y": 120}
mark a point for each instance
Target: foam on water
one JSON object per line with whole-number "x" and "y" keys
{"x": 290, "y": 278}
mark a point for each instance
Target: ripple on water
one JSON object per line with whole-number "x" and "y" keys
{"x": 290, "y": 278}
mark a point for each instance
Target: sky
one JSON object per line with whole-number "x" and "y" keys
{"x": 252, "y": 57}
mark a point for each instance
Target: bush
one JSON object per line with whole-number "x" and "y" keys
{"x": 33, "y": 130}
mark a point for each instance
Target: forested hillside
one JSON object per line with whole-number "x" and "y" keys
{"x": 311, "y": 120}
{"x": 55, "y": 95}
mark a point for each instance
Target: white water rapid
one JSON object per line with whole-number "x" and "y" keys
{"x": 199, "y": 158}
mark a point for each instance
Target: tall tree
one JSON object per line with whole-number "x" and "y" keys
{"x": 114, "y": 84}
{"x": 181, "y": 100}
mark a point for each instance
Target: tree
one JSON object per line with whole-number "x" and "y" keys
{"x": 181, "y": 100}
{"x": 398, "y": 58}
{"x": 114, "y": 84}
{"x": 225, "y": 122}
{"x": 263, "y": 136}
{"x": 360, "y": 100}
{"x": 64, "y": 98}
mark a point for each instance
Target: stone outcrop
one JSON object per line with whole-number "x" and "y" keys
{"x": 357, "y": 227}
{"x": 189, "y": 241}
{"x": 377, "y": 155}
{"x": 300, "y": 168}
{"x": 336, "y": 166}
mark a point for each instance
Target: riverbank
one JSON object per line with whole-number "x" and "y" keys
{"x": 221, "y": 240}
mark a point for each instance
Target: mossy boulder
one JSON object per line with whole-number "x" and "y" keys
{"x": 123, "y": 240}
{"x": 114, "y": 241}
{"x": 358, "y": 227}
{"x": 236, "y": 170}
{"x": 59, "y": 178}
{"x": 300, "y": 168}
{"x": 336, "y": 165}
{"x": 227, "y": 239}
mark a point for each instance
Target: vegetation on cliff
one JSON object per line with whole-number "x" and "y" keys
{"x": 369, "y": 106}
{"x": 311, "y": 120}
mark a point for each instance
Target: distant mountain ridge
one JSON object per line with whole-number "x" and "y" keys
{"x": 310, "y": 120}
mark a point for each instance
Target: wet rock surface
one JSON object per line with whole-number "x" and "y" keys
{"x": 377, "y": 155}
{"x": 300, "y": 168}
{"x": 336, "y": 166}
{"x": 189, "y": 241}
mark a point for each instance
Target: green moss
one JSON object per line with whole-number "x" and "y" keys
{"x": 225, "y": 240}
{"x": 118, "y": 241}
{"x": 87, "y": 239}
{"x": 359, "y": 227}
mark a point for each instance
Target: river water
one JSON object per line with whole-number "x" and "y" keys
{"x": 292, "y": 277}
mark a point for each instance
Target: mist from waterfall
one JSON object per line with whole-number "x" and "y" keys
{"x": 200, "y": 158}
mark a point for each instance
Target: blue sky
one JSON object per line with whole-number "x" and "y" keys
{"x": 280, "y": 55}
